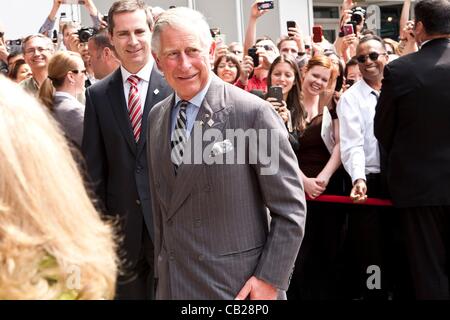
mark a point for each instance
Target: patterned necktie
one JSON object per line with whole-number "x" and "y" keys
{"x": 179, "y": 135}
{"x": 134, "y": 106}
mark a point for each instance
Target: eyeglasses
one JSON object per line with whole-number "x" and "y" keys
{"x": 266, "y": 47}
{"x": 78, "y": 71}
{"x": 373, "y": 56}
{"x": 31, "y": 51}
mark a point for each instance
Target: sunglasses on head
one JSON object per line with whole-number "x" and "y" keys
{"x": 373, "y": 56}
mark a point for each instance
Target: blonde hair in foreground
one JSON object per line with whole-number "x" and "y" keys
{"x": 45, "y": 212}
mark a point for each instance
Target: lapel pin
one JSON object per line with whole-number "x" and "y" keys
{"x": 156, "y": 91}
{"x": 210, "y": 122}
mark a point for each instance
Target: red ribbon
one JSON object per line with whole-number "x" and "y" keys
{"x": 346, "y": 199}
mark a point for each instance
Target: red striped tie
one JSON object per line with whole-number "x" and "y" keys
{"x": 134, "y": 106}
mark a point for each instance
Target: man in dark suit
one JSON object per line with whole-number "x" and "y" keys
{"x": 212, "y": 235}
{"x": 114, "y": 142}
{"x": 412, "y": 125}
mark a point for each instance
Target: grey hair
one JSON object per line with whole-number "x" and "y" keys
{"x": 181, "y": 18}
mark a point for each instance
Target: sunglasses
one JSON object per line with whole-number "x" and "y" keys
{"x": 373, "y": 56}
{"x": 78, "y": 71}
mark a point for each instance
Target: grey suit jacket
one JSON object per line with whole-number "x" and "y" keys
{"x": 70, "y": 115}
{"x": 211, "y": 224}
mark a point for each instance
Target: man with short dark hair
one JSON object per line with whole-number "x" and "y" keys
{"x": 114, "y": 142}
{"x": 412, "y": 124}
{"x": 103, "y": 59}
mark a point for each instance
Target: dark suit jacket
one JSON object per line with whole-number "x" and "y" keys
{"x": 412, "y": 123}
{"x": 211, "y": 223}
{"x": 117, "y": 165}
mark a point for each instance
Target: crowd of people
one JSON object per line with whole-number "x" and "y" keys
{"x": 102, "y": 196}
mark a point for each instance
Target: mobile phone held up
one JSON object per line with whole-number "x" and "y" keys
{"x": 265, "y": 5}
{"x": 348, "y": 29}
{"x": 290, "y": 24}
{"x": 317, "y": 34}
{"x": 252, "y": 53}
{"x": 275, "y": 92}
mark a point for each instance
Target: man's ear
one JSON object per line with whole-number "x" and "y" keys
{"x": 212, "y": 50}
{"x": 106, "y": 53}
{"x": 158, "y": 62}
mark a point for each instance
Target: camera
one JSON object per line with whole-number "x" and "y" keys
{"x": 84, "y": 34}
{"x": 252, "y": 53}
{"x": 358, "y": 14}
{"x": 17, "y": 42}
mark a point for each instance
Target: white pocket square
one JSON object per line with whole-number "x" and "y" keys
{"x": 221, "y": 147}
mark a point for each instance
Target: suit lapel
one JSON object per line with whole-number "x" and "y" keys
{"x": 163, "y": 141}
{"x": 213, "y": 108}
{"x": 118, "y": 105}
{"x": 154, "y": 92}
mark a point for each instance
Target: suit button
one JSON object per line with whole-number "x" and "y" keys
{"x": 201, "y": 257}
{"x": 138, "y": 202}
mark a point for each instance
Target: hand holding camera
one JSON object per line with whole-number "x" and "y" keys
{"x": 246, "y": 69}
{"x": 255, "y": 12}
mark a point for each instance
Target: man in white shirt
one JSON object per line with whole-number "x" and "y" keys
{"x": 361, "y": 159}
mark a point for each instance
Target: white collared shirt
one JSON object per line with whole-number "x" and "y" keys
{"x": 144, "y": 74}
{"x": 359, "y": 147}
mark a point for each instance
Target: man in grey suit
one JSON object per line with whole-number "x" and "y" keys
{"x": 213, "y": 238}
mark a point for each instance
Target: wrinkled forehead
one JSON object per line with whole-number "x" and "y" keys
{"x": 289, "y": 44}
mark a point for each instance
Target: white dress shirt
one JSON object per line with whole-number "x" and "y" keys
{"x": 359, "y": 147}
{"x": 144, "y": 74}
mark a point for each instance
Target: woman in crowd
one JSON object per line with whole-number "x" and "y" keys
{"x": 285, "y": 74}
{"x": 66, "y": 77}
{"x": 316, "y": 274}
{"x": 20, "y": 70}
{"x": 228, "y": 68}
{"x": 53, "y": 244}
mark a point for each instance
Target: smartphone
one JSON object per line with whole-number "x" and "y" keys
{"x": 348, "y": 29}
{"x": 265, "y": 5}
{"x": 275, "y": 92}
{"x": 290, "y": 24}
{"x": 72, "y": 1}
{"x": 214, "y": 32}
{"x": 252, "y": 53}
{"x": 317, "y": 34}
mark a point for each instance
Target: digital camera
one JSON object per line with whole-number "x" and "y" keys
{"x": 84, "y": 34}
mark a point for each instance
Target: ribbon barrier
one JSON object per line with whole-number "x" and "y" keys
{"x": 348, "y": 200}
